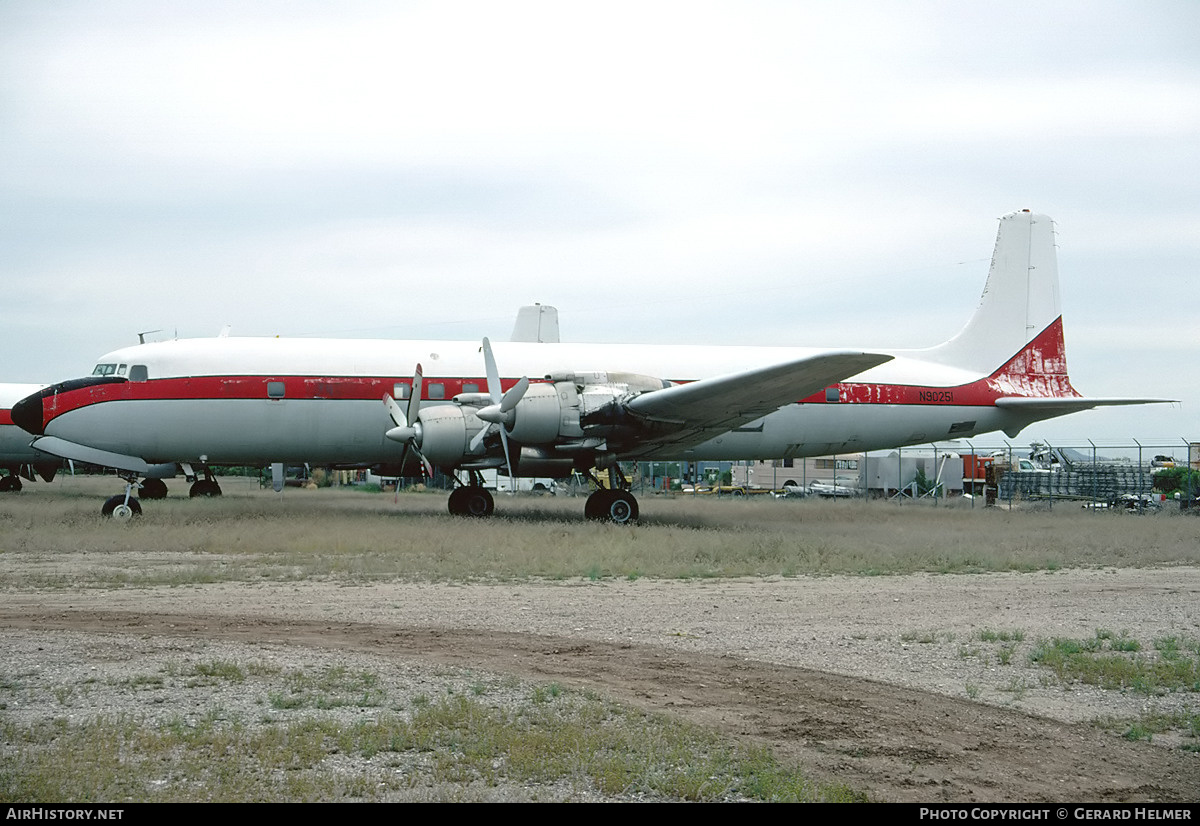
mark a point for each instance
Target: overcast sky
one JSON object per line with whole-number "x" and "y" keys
{"x": 752, "y": 172}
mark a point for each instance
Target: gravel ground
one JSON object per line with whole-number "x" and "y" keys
{"x": 892, "y": 684}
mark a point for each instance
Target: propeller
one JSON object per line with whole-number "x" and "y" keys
{"x": 404, "y": 431}
{"x": 500, "y": 411}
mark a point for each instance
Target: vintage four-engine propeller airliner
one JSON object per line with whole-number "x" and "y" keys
{"x": 550, "y": 409}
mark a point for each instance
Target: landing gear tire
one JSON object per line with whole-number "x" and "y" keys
{"x": 471, "y": 501}
{"x": 117, "y": 509}
{"x": 10, "y": 484}
{"x": 153, "y": 489}
{"x": 596, "y": 504}
{"x": 204, "y": 487}
{"x": 617, "y": 506}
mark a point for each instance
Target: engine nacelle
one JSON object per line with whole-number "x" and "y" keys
{"x": 444, "y": 438}
{"x": 545, "y": 412}
{"x": 574, "y": 405}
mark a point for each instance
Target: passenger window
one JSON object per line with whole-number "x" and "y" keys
{"x": 470, "y": 387}
{"x": 275, "y": 390}
{"x": 437, "y": 390}
{"x": 831, "y": 394}
{"x": 138, "y": 372}
{"x": 400, "y": 391}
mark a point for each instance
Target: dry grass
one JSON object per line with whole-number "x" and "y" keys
{"x": 252, "y": 534}
{"x": 546, "y": 743}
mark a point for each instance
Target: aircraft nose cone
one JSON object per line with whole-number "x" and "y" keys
{"x": 27, "y": 414}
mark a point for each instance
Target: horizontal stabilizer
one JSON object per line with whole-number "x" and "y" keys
{"x": 725, "y": 402}
{"x": 93, "y": 456}
{"x": 1059, "y": 406}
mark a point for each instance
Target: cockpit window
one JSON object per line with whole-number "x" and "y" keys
{"x": 104, "y": 370}
{"x": 120, "y": 369}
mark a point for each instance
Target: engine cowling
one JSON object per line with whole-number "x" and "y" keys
{"x": 538, "y": 419}
{"x": 443, "y": 435}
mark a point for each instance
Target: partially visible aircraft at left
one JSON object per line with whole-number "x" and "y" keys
{"x": 16, "y": 456}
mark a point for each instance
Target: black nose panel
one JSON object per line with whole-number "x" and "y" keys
{"x": 27, "y": 413}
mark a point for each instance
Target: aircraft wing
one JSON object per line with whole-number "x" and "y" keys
{"x": 689, "y": 413}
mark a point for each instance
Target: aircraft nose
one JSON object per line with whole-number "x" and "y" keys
{"x": 27, "y": 414}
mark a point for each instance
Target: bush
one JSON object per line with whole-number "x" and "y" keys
{"x": 1177, "y": 478}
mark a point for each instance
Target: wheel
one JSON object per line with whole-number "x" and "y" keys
{"x": 616, "y": 506}
{"x": 116, "y": 508}
{"x": 204, "y": 487}
{"x": 596, "y": 506}
{"x": 739, "y": 492}
{"x": 10, "y": 484}
{"x": 622, "y": 507}
{"x": 471, "y": 501}
{"x": 153, "y": 489}
{"x": 478, "y": 502}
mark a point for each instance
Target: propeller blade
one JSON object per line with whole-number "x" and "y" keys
{"x": 502, "y": 403}
{"x": 394, "y": 411}
{"x": 507, "y": 457}
{"x": 478, "y": 438}
{"x": 405, "y": 430}
{"x": 493, "y": 375}
{"x": 514, "y": 395}
{"x": 414, "y": 398}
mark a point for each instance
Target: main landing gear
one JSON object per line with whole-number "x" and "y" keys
{"x": 206, "y": 487}
{"x": 612, "y": 504}
{"x": 153, "y": 489}
{"x": 473, "y": 499}
{"x": 616, "y": 506}
{"x": 10, "y": 484}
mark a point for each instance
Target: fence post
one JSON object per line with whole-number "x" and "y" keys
{"x": 974, "y": 470}
{"x": 1093, "y": 444}
{"x": 1050, "y": 450}
{"x": 1190, "y": 493}
{"x": 1009, "y": 470}
{"x": 1141, "y": 485}
{"x": 936, "y": 475}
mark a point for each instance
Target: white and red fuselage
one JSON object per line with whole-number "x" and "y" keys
{"x": 255, "y": 401}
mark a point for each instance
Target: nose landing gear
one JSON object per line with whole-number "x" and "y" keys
{"x": 123, "y": 507}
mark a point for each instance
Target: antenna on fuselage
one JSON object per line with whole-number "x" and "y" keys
{"x": 142, "y": 336}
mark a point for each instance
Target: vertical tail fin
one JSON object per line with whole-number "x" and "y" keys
{"x": 1015, "y": 338}
{"x": 536, "y": 323}
{"x": 1020, "y": 301}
